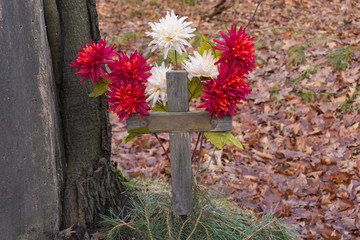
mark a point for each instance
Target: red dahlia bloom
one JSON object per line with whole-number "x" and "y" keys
{"x": 237, "y": 87}
{"x": 238, "y": 47}
{"x": 126, "y": 100}
{"x": 91, "y": 57}
{"x": 216, "y": 100}
{"x": 223, "y": 94}
{"x": 234, "y": 81}
{"x": 128, "y": 70}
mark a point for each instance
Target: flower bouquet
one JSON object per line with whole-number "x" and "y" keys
{"x": 216, "y": 72}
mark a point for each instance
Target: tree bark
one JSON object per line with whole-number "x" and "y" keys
{"x": 31, "y": 148}
{"x": 55, "y": 170}
{"x": 91, "y": 182}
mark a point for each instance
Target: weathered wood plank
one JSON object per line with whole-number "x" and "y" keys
{"x": 196, "y": 121}
{"x": 181, "y": 174}
{"x": 31, "y": 150}
{"x": 177, "y": 91}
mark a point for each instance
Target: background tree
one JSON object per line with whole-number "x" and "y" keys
{"x": 55, "y": 158}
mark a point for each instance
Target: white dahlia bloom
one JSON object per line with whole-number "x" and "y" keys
{"x": 156, "y": 85}
{"x": 201, "y": 66}
{"x": 170, "y": 32}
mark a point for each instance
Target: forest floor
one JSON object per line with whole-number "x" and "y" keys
{"x": 300, "y": 126}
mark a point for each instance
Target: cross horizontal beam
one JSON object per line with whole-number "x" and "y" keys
{"x": 195, "y": 121}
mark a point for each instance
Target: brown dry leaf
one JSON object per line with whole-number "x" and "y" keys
{"x": 263, "y": 154}
{"x": 357, "y": 221}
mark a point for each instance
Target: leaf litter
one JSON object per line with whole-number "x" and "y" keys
{"x": 301, "y": 125}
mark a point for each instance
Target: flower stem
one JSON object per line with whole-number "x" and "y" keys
{"x": 161, "y": 106}
{"x": 199, "y": 157}
{"x": 253, "y": 14}
{"x": 104, "y": 69}
{"x": 167, "y": 155}
{"x": 197, "y": 141}
{"x": 176, "y": 60}
{"x": 195, "y": 90}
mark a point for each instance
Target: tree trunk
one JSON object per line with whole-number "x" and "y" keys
{"x": 91, "y": 182}
{"x": 31, "y": 148}
{"x": 55, "y": 169}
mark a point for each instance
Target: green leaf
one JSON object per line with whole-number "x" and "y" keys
{"x": 117, "y": 145}
{"x": 139, "y": 130}
{"x": 207, "y": 46}
{"x": 226, "y": 138}
{"x": 195, "y": 86}
{"x": 214, "y": 138}
{"x": 217, "y": 52}
{"x": 132, "y": 133}
{"x": 160, "y": 107}
{"x": 221, "y": 138}
{"x": 100, "y": 88}
{"x": 130, "y": 137}
{"x": 196, "y": 39}
{"x": 161, "y": 58}
{"x": 234, "y": 140}
{"x": 180, "y": 57}
{"x": 207, "y": 40}
{"x": 203, "y": 47}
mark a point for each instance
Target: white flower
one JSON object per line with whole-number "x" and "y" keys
{"x": 201, "y": 66}
{"x": 170, "y": 32}
{"x": 156, "y": 85}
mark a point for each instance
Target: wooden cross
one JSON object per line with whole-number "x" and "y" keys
{"x": 179, "y": 122}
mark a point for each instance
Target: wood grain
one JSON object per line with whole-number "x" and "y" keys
{"x": 31, "y": 143}
{"x": 181, "y": 174}
{"x": 177, "y": 91}
{"x": 196, "y": 121}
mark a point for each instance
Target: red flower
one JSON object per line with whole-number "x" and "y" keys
{"x": 128, "y": 70}
{"x": 215, "y": 99}
{"x": 234, "y": 81}
{"x": 126, "y": 100}
{"x": 91, "y": 57}
{"x": 223, "y": 94}
{"x": 238, "y": 47}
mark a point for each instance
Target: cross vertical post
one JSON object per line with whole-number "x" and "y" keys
{"x": 180, "y": 155}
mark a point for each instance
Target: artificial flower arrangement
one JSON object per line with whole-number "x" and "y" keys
{"x": 216, "y": 71}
